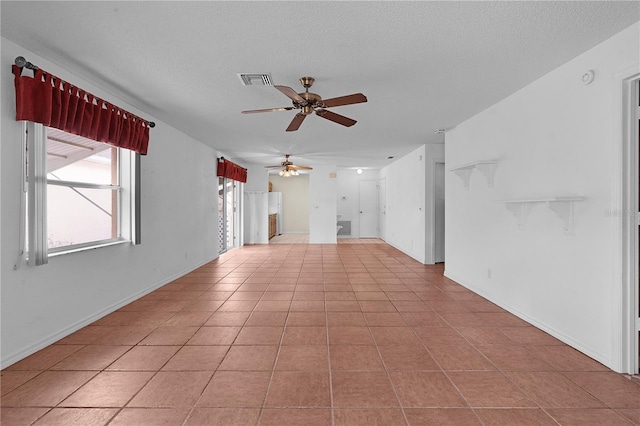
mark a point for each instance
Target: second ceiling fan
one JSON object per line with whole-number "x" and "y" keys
{"x": 308, "y": 103}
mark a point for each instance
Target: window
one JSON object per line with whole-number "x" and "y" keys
{"x": 228, "y": 215}
{"x": 80, "y": 193}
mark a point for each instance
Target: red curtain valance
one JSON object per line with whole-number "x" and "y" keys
{"x": 231, "y": 170}
{"x": 53, "y": 102}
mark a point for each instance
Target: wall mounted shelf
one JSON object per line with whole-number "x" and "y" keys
{"x": 487, "y": 168}
{"x": 562, "y": 206}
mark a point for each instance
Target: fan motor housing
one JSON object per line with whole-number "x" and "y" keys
{"x": 307, "y": 81}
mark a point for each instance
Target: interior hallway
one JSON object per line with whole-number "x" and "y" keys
{"x": 347, "y": 334}
{"x": 304, "y": 239}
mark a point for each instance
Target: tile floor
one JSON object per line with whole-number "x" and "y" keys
{"x": 346, "y": 334}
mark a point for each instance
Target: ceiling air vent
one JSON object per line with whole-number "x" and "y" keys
{"x": 255, "y": 79}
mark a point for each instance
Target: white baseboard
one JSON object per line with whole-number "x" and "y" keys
{"x": 52, "y": 338}
{"x": 593, "y": 353}
{"x": 405, "y": 252}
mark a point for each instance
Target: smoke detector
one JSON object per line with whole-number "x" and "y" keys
{"x": 255, "y": 79}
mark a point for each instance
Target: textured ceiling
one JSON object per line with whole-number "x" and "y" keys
{"x": 422, "y": 65}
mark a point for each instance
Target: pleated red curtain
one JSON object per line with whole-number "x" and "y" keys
{"x": 231, "y": 170}
{"x": 53, "y": 102}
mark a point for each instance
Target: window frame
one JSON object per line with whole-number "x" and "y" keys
{"x": 34, "y": 199}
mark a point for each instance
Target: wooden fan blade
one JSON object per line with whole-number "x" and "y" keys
{"x": 356, "y": 98}
{"x": 274, "y": 167}
{"x": 301, "y": 167}
{"x": 292, "y": 94}
{"x": 296, "y": 122}
{"x": 336, "y": 118}
{"x": 253, "y": 111}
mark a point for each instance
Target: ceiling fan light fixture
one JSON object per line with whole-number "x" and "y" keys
{"x": 287, "y": 168}
{"x": 308, "y": 103}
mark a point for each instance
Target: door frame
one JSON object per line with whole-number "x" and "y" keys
{"x": 375, "y": 209}
{"x": 626, "y": 272}
{"x": 434, "y": 162}
{"x": 432, "y": 224}
{"x": 382, "y": 209}
{"x": 235, "y": 232}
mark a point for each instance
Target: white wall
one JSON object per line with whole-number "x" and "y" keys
{"x": 255, "y": 217}
{"x": 179, "y": 232}
{"x": 322, "y": 204}
{"x": 349, "y": 195}
{"x": 257, "y": 178}
{"x": 255, "y": 224}
{"x": 555, "y": 137}
{"x": 405, "y": 188}
{"x": 295, "y": 202}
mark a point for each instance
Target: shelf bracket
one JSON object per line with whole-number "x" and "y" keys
{"x": 465, "y": 175}
{"x": 561, "y": 206}
{"x": 564, "y": 210}
{"x": 520, "y": 211}
{"x": 487, "y": 168}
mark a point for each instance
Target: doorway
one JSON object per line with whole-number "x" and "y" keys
{"x": 368, "y": 203}
{"x": 438, "y": 201}
{"x": 292, "y": 215}
{"x": 227, "y": 214}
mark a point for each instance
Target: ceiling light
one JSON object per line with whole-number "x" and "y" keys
{"x": 359, "y": 171}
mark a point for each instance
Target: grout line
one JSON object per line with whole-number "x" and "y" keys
{"x": 343, "y": 259}
{"x": 326, "y": 327}
{"x": 275, "y": 361}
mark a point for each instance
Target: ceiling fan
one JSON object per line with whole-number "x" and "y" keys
{"x": 288, "y": 168}
{"x": 309, "y": 102}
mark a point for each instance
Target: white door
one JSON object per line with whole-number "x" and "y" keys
{"x": 382, "y": 208}
{"x": 368, "y": 209}
{"x": 438, "y": 200}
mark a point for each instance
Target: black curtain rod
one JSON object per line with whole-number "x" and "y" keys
{"x": 23, "y": 63}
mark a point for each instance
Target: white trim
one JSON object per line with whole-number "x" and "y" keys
{"x": 593, "y": 353}
{"x": 432, "y": 260}
{"x": 624, "y": 197}
{"x": 73, "y": 184}
{"x": 86, "y": 246}
{"x": 38, "y": 251}
{"x": 22, "y": 219}
{"x": 37, "y": 193}
{"x": 54, "y": 337}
